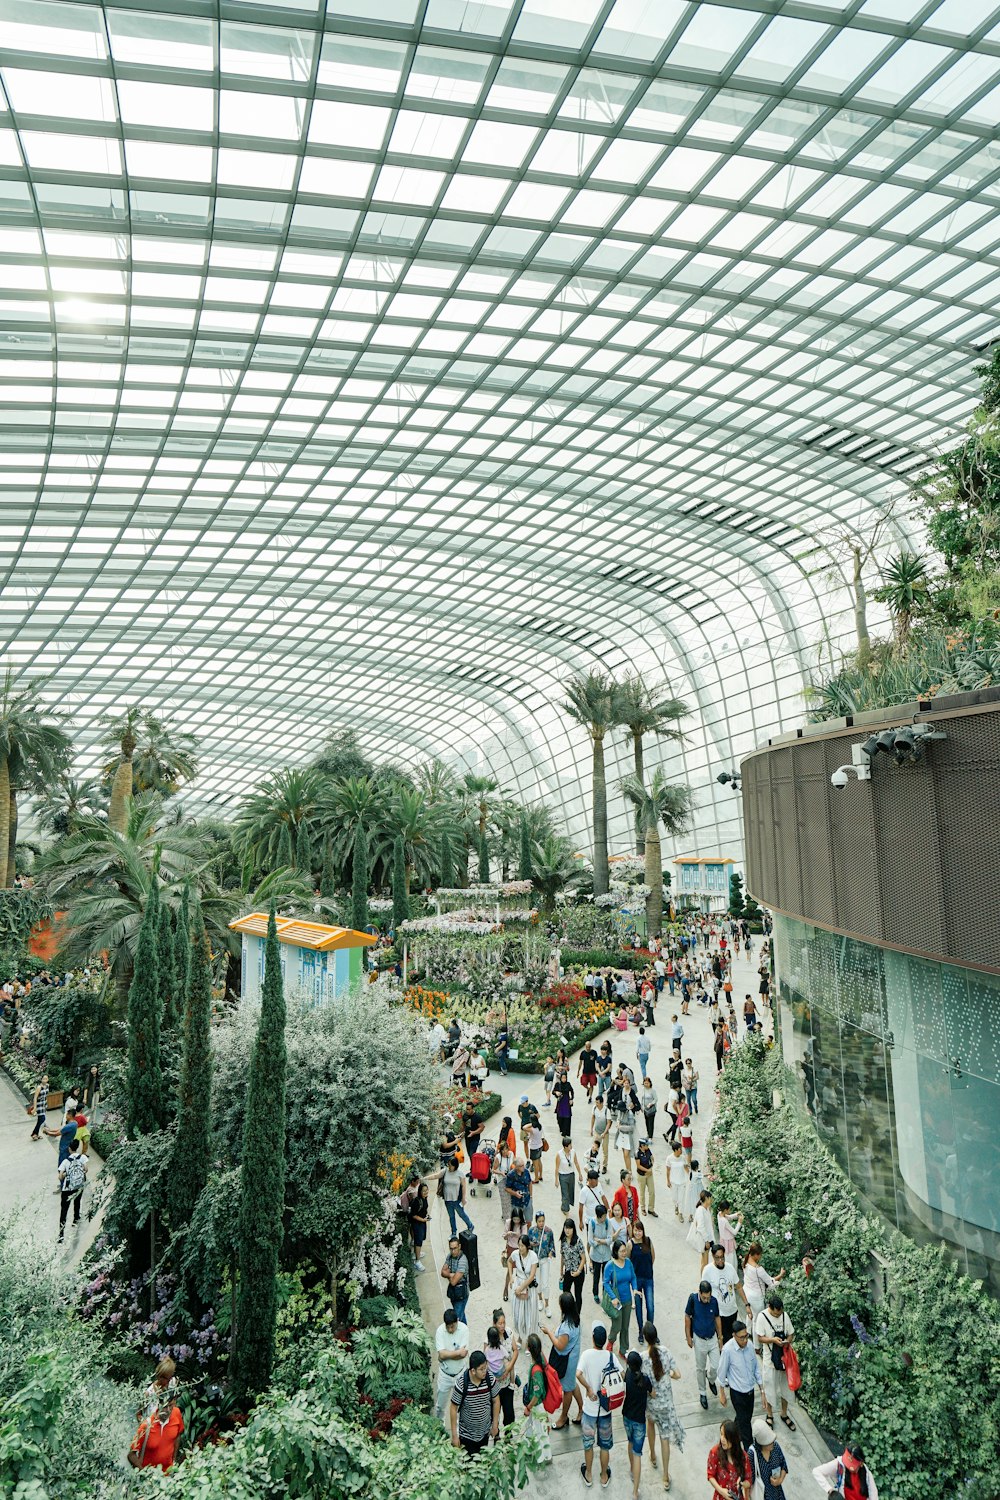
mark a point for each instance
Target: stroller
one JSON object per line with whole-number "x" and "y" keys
{"x": 481, "y": 1167}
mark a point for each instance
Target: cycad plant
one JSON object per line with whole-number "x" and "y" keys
{"x": 268, "y": 821}
{"x": 592, "y": 701}
{"x": 163, "y": 758}
{"x": 33, "y": 752}
{"x": 644, "y": 710}
{"x": 660, "y": 802}
{"x": 121, "y": 732}
{"x": 554, "y": 869}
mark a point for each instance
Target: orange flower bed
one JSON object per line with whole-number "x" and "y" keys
{"x": 434, "y": 1004}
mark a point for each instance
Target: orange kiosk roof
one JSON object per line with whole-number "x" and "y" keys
{"x": 300, "y": 934}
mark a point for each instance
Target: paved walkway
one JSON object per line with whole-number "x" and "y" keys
{"x": 676, "y": 1273}
{"x": 28, "y": 1181}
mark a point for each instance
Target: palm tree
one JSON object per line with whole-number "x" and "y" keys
{"x": 33, "y": 750}
{"x": 554, "y": 868}
{"x": 163, "y": 758}
{"x": 61, "y": 807}
{"x": 121, "y": 736}
{"x": 104, "y": 877}
{"x": 905, "y": 588}
{"x": 644, "y": 710}
{"x": 419, "y": 824}
{"x": 281, "y": 802}
{"x": 593, "y": 702}
{"x": 660, "y": 802}
{"x": 348, "y": 804}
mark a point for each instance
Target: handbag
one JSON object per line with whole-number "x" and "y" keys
{"x": 776, "y": 1350}
{"x": 559, "y": 1361}
{"x": 611, "y": 1306}
{"x": 793, "y": 1370}
{"x": 440, "y": 1187}
{"x": 545, "y": 1144}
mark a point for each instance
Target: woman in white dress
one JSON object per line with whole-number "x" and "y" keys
{"x": 524, "y": 1276}
{"x": 701, "y": 1236}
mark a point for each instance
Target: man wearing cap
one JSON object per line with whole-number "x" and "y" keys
{"x": 768, "y": 1461}
{"x": 703, "y": 1330}
{"x": 475, "y": 1406}
{"x": 590, "y": 1197}
{"x": 518, "y": 1185}
{"x": 452, "y": 1344}
{"x": 646, "y": 1173}
{"x": 741, "y": 1373}
{"x": 595, "y": 1426}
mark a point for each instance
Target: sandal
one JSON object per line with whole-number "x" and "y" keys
{"x": 666, "y": 1484}
{"x": 558, "y": 1426}
{"x": 788, "y": 1422}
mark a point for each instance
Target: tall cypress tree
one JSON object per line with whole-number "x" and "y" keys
{"x": 484, "y": 861}
{"x": 524, "y": 857}
{"x": 144, "y": 1109}
{"x": 327, "y": 883}
{"x": 262, "y": 1189}
{"x": 171, "y": 1000}
{"x": 400, "y": 899}
{"x": 303, "y": 850}
{"x": 182, "y": 951}
{"x": 286, "y": 849}
{"x": 192, "y": 1148}
{"x": 359, "y": 881}
{"x": 447, "y": 863}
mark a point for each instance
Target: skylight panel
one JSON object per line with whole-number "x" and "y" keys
{"x": 166, "y": 104}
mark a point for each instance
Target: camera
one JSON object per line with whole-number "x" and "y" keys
{"x": 839, "y": 779}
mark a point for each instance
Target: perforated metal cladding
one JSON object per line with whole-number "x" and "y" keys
{"x": 910, "y": 858}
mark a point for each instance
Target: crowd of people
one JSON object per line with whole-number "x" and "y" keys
{"x": 599, "y": 1123}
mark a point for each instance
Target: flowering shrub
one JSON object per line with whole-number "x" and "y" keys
{"x": 122, "y": 1308}
{"x": 914, "y": 1375}
{"x": 434, "y": 1004}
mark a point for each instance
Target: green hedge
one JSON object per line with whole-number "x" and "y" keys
{"x": 603, "y": 958}
{"x": 914, "y": 1377}
{"x": 536, "y": 1063}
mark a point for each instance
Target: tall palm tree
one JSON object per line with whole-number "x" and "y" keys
{"x": 348, "y": 804}
{"x": 120, "y": 734}
{"x": 905, "y": 587}
{"x": 61, "y": 807}
{"x": 104, "y": 877}
{"x": 34, "y": 749}
{"x": 660, "y": 802}
{"x": 646, "y": 710}
{"x": 163, "y": 758}
{"x": 554, "y": 868}
{"x": 592, "y": 700}
{"x": 419, "y": 824}
{"x": 278, "y": 805}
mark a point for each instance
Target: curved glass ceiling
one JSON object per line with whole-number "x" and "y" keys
{"x": 387, "y": 362}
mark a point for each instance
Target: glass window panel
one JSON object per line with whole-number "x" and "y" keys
{"x": 557, "y": 23}
{"x": 266, "y": 51}
{"x": 780, "y": 49}
{"x": 359, "y": 125}
{"x": 158, "y": 159}
{"x": 362, "y": 63}
{"x": 712, "y": 35}
{"x": 161, "y": 41}
{"x": 71, "y": 153}
{"x": 474, "y": 17}
{"x": 77, "y": 97}
{"x": 437, "y": 73}
{"x": 165, "y": 103}
{"x": 264, "y": 115}
{"x": 418, "y": 134}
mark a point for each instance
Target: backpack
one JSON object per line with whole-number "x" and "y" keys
{"x": 612, "y": 1393}
{"x": 75, "y": 1175}
{"x": 552, "y": 1400}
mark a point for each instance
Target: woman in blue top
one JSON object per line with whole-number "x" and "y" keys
{"x": 566, "y": 1346}
{"x": 642, "y": 1255}
{"x": 620, "y": 1285}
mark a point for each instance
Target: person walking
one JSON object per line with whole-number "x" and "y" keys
{"x": 619, "y": 1285}
{"x": 535, "y": 1391}
{"x": 701, "y": 1235}
{"x": 455, "y": 1274}
{"x": 419, "y": 1215}
{"x": 600, "y": 1238}
{"x": 646, "y": 1172}
{"x": 536, "y": 1147}
{"x": 600, "y": 1130}
{"x": 662, "y": 1420}
{"x": 453, "y": 1192}
{"x": 564, "y": 1356}
{"x": 543, "y": 1242}
{"x": 756, "y": 1281}
{"x": 524, "y": 1281}
{"x": 39, "y": 1106}
{"x": 568, "y": 1174}
{"x": 503, "y": 1163}
{"x": 729, "y": 1226}
{"x": 605, "y": 1066}
{"x": 649, "y": 1099}
{"x": 501, "y": 1349}
{"x": 742, "y": 1375}
{"x": 564, "y": 1094}
{"x": 729, "y": 1470}
{"x": 848, "y": 1475}
{"x": 627, "y": 1196}
{"x": 572, "y": 1263}
{"x": 689, "y": 1085}
{"x": 587, "y": 1070}
{"x": 72, "y": 1177}
{"x": 774, "y": 1332}
{"x": 595, "y": 1427}
{"x": 475, "y": 1406}
{"x": 67, "y": 1135}
{"x": 677, "y": 1180}
{"x": 769, "y": 1463}
{"x": 590, "y": 1197}
{"x": 724, "y": 1279}
{"x": 513, "y": 1230}
{"x": 451, "y": 1340}
{"x": 703, "y": 1331}
{"x": 643, "y": 1047}
{"x": 160, "y": 1422}
{"x": 634, "y": 1408}
{"x": 643, "y": 1256}
{"x": 519, "y": 1184}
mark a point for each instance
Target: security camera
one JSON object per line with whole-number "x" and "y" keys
{"x": 840, "y": 778}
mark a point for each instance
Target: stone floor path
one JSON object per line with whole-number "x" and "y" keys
{"x": 676, "y": 1273}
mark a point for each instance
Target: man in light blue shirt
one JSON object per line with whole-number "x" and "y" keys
{"x": 741, "y": 1372}
{"x": 642, "y": 1051}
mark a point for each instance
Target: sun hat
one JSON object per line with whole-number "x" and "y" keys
{"x": 763, "y": 1433}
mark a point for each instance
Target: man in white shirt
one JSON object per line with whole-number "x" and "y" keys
{"x": 595, "y": 1426}
{"x": 724, "y": 1280}
{"x": 452, "y": 1344}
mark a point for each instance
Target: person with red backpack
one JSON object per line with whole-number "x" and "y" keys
{"x": 847, "y": 1475}
{"x": 539, "y": 1398}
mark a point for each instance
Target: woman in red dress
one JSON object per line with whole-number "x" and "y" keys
{"x": 730, "y": 1472}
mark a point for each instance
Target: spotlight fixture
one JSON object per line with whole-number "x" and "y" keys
{"x": 729, "y": 778}
{"x": 905, "y": 745}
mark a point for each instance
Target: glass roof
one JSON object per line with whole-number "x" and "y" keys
{"x": 387, "y": 362}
